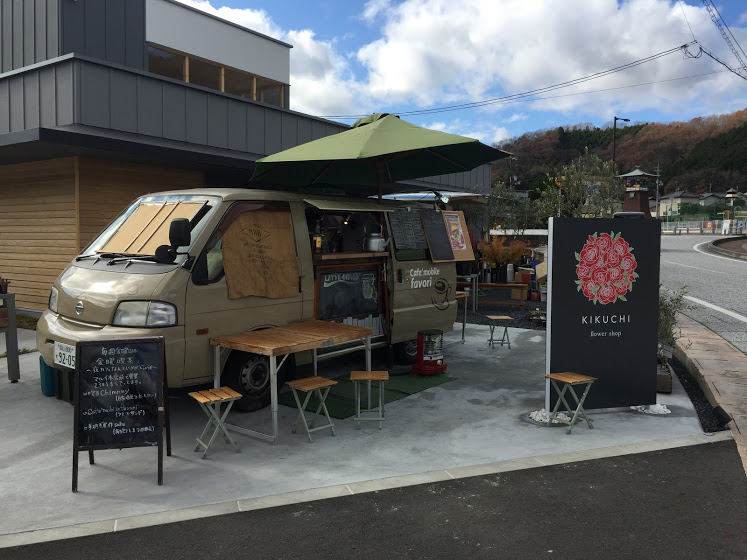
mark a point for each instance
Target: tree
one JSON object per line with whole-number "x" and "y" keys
{"x": 586, "y": 187}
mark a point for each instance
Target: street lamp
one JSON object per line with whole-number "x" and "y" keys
{"x": 614, "y": 131}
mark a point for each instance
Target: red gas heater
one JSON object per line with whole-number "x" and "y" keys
{"x": 430, "y": 358}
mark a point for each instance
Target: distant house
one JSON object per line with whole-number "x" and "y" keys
{"x": 669, "y": 204}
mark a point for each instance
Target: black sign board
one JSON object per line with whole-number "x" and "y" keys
{"x": 407, "y": 229}
{"x": 438, "y": 239}
{"x": 603, "y": 307}
{"x": 119, "y": 397}
{"x": 345, "y": 292}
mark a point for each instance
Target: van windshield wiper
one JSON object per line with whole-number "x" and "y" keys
{"x": 98, "y": 256}
{"x": 129, "y": 259}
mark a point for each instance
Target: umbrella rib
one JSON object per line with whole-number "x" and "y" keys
{"x": 443, "y": 157}
{"x": 321, "y": 173}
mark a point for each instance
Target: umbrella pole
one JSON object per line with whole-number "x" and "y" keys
{"x": 378, "y": 180}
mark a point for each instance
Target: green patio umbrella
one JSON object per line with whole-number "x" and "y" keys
{"x": 380, "y": 147}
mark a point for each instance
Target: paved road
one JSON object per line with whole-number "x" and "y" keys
{"x": 688, "y": 502}
{"x": 715, "y": 285}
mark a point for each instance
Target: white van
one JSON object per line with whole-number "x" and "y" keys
{"x": 195, "y": 264}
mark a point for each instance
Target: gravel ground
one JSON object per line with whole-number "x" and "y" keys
{"x": 487, "y": 306}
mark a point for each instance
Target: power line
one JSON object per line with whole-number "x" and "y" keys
{"x": 717, "y": 19}
{"x": 534, "y": 92}
{"x": 729, "y": 30}
{"x": 686, "y": 20}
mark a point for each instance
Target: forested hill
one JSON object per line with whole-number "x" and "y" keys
{"x": 708, "y": 153}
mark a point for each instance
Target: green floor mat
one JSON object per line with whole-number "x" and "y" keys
{"x": 341, "y": 398}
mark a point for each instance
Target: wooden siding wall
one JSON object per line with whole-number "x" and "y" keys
{"x": 37, "y": 227}
{"x": 41, "y": 230}
{"x": 107, "y": 187}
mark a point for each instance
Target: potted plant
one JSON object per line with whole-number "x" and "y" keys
{"x": 4, "y": 285}
{"x": 489, "y": 251}
{"x": 497, "y": 254}
{"x": 670, "y": 303}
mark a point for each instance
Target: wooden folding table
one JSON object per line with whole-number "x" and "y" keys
{"x": 282, "y": 341}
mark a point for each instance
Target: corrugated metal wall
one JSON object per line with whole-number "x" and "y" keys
{"x": 29, "y": 32}
{"x": 112, "y": 30}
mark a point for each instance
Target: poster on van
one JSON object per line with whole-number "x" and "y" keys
{"x": 603, "y": 297}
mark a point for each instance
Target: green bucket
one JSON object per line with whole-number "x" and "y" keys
{"x": 47, "y": 378}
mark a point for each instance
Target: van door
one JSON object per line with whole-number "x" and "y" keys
{"x": 422, "y": 292}
{"x": 261, "y": 290}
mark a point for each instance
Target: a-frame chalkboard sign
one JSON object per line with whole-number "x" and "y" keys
{"x": 120, "y": 402}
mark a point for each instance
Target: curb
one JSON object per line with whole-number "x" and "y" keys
{"x": 726, "y": 252}
{"x": 681, "y": 354}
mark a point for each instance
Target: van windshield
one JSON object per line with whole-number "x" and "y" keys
{"x": 144, "y": 225}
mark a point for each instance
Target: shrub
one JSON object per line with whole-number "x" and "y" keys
{"x": 670, "y": 303}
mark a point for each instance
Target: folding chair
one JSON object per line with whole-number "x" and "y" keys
{"x": 569, "y": 379}
{"x": 210, "y": 402}
{"x": 310, "y": 385}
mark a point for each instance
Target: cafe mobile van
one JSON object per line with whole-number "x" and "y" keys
{"x": 201, "y": 263}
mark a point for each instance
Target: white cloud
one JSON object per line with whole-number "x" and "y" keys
{"x": 256, "y": 20}
{"x": 431, "y": 53}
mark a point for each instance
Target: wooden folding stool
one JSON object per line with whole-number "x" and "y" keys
{"x": 504, "y": 339}
{"x": 310, "y": 385}
{"x": 569, "y": 379}
{"x": 210, "y": 402}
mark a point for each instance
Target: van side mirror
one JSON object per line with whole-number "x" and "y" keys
{"x": 180, "y": 234}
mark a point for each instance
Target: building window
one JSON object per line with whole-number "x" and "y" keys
{"x": 184, "y": 67}
{"x": 166, "y": 63}
{"x": 269, "y": 92}
{"x": 239, "y": 83}
{"x": 204, "y": 74}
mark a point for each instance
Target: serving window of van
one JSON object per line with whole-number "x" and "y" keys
{"x": 341, "y": 226}
{"x": 253, "y": 247}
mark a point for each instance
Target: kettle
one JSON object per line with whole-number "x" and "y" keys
{"x": 374, "y": 242}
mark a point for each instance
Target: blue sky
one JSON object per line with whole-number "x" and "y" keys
{"x": 356, "y": 57}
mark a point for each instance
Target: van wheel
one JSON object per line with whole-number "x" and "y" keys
{"x": 249, "y": 374}
{"x": 406, "y": 352}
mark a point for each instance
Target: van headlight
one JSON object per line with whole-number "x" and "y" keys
{"x": 144, "y": 314}
{"x": 53, "y": 300}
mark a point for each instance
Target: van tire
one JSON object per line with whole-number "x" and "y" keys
{"x": 249, "y": 374}
{"x": 406, "y": 353}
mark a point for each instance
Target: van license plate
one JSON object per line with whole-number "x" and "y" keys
{"x": 64, "y": 355}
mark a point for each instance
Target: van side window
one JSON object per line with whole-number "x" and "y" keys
{"x": 208, "y": 268}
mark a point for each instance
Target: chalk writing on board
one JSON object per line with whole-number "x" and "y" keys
{"x": 343, "y": 294}
{"x": 407, "y": 230}
{"x": 119, "y": 398}
{"x": 119, "y": 394}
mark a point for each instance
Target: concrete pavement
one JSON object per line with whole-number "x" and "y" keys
{"x": 474, "y": 425}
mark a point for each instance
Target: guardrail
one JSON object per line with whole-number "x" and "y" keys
{"x": 706, "y": 227}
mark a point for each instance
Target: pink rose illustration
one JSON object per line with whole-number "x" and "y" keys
{"x": 604, "y": 242}
{"x": 589, "y": 254}
{"x": 606, "y": 295}
{"x": 606, "y": 268}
